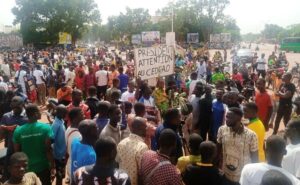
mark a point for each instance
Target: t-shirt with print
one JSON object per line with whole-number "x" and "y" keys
{"x": 32, "y": 138}
{"x": 284, "y": 88}
{"x": 236, "y": 150}
{"x": 81, "y": 155}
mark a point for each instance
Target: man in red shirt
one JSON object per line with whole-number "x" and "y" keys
{"x": 156, "y": 167}
{"x": 89, "y": 80}
{"x": 77, "y": 102}
{"x": 264, "y": 103}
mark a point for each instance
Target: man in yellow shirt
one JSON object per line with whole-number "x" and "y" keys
{"x": 250, "y": 112}
{"x": 194, "y": 148}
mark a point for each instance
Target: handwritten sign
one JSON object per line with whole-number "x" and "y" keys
{"x": 154, "y": 62}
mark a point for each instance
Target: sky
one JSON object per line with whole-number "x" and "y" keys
{"x": 251, "y": 15}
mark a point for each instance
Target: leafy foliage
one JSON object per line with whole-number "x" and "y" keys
{"x": 42, "y": 20}
{"x": 190, "y": 16}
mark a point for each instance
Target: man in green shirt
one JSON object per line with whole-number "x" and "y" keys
{"x": 217, "y": 76}
{"x": 34, "y": 139}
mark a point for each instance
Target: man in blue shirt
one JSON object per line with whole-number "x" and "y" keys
{"x": 172, "y": 120}
{"x": 9, "y": 122}
{"x": 59, "y": 145}
{"x": 123, "y": 80}
{"x": 218, "y": 110}
{"x": 102, "y": 119}
{"x": 82, "y": 151}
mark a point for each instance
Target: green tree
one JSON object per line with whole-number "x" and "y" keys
{"x": 42, "y": 20}
{"x": 272, "y": 31}
{"x": 294, "y": 30}
{"x": 133, "y": 21}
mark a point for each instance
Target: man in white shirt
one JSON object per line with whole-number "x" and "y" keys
{"x": 252, "y": 174}
{"x": 5, "y": 68}
{"x": 3, "y": 85}
{"x": 129, "y": 95}
{"x": 40, "y": 83}
{"x": 261, "y": 66}
{"x": 72, "y": 132}
{"x": 70, "y": 76}
{"x": 201, "y": 68}
{"x": 102, "y": 81}
{"x": 291, "y": 161}
{"x": 19, "y": 77}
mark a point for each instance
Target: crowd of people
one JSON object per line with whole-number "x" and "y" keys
{"x": 106, "y": 126}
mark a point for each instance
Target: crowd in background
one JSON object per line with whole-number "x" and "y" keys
{"x": 202, "y": 125}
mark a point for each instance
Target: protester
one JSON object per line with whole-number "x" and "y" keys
{"x": 129, "y": 95}
{"x": 275, "y": 150}
{"x": 112, "y": 75}
{"x": 218, "y": 114}
{"x": 275, "y": 177}
{"x": 201, "y": 69}
{"x": 194, "y": 100}
{"x": 217, "y": 76}
{"x": 114, "y": 88}
{"x": 77, "y": 102}
{"x": 296, "y": 113}
{"x": 59, "y": 145}
{"x": 19, "y": 78}
{"x": 103, "y": 118}
{"x": 140, "y": 111}
{"x": 41, "y": 86}
{"x": 76, "y": 116}
{"x": 171, "y": 121}
{"x": 131, "y": 149}
{"x": 9, "y": 121}
{"x": 291, "y": 160}
{"x": 192, "y": 83}
{"x": 34, "y": 139}
{"x": 205, "y": 119}
{"x": 102, "y": 81}
{"x": 160, "y": 97}
{"x": 250, "y": 112}
{"x": 82, "y": 151}
{"x": 123, "y": 80}
{"x": 264, "y": 103}
{"x": 112, "y": 129}
{"x": 89, "y": 80}
{"x": 17, "y": 168}
{"x": 194, "y": 157}
{"x": 70, "y": 77}
{"x": 64, "y": 94}
{"x": 156, "y": 167}
{"x": 204, "y": 172}
{"x": 261, "y": 66}
{"x": 238, "y": 146}
{"x": 104, "y": 170}
{"x": 92, "y": 101}
{"x": 285, "y": 94}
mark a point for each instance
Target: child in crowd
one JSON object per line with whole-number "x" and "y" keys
{"x": 204, "y": 172}
{"x": 17, "y": 168}
{"x": 194, "y": 142}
